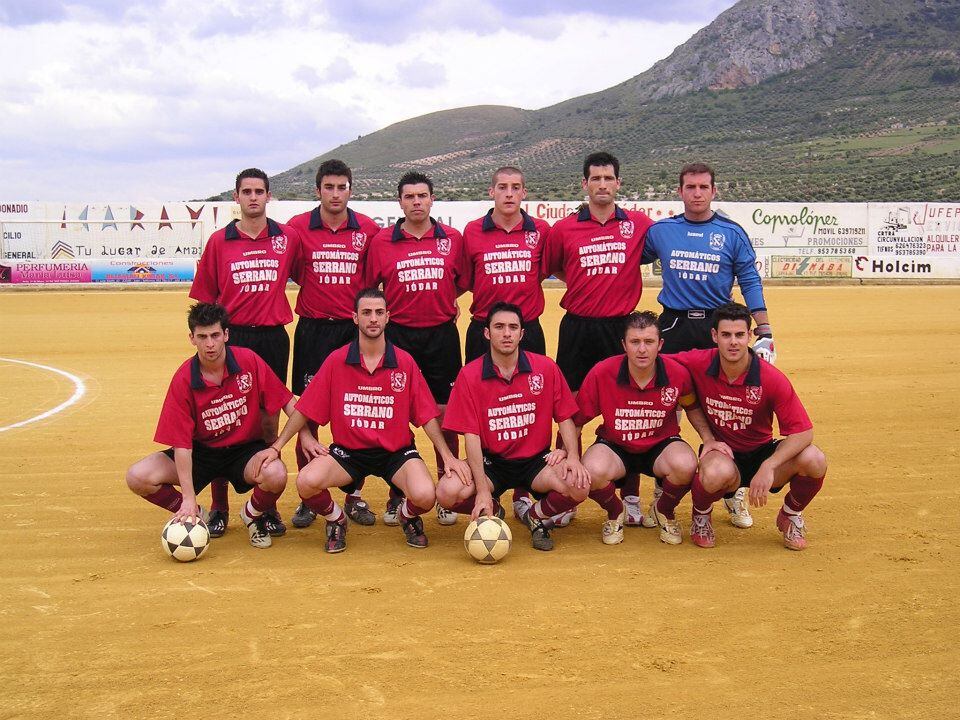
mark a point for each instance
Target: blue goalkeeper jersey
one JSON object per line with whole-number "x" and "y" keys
{"x": 700, "y": 261}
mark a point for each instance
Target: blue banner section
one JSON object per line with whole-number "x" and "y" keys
{"x": 142, "y": 271}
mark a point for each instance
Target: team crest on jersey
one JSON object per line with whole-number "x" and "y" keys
{"x": 668, "y": 395}
{"x": 753, "y": 394}
{"x": 443, "y": 246}
{"x": 280, "y": 244}
{"x": 536, "y": 383}
{"x": 716, "y": 241}
{"x": 398, "y": 381}
{"x": 359, "y": 240}
{"x": 532, "y": 238}
{"x": 245, "y": 383}
{"x": 626, "y": 229}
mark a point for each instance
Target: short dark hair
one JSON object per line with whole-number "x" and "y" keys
{"x": 370, "y": 292}
{"x": 731, "y": 311}
{"x": 600, "y": 159}
{"x": 255, "y": 173}
{"x": 333, "y": 167}
{"x": 414, "y": 177}
{"x": 206, "y": 314}
{"x": 640, "y": 320}
{"x": 502, "y": 306}
{"x": 507, "y": 170}
{"x": 697, "y": 168}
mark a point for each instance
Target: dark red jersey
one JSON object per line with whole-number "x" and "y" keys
{"x": 634, "y": 417}
{"x": 220, "y": 415}
{"x": 248, "y": 276}
{"x": 421, "y": 278}
{"x": 332, "y": 270}
{"x": 514, "y": 418}
{"x": 741, "y": 412}
{"x": 367, "y": 410}
{"x": 505, "y": 266}
{"x": 600, "y": 262}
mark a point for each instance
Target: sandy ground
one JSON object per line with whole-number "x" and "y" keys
{"x": 98, "y": 622}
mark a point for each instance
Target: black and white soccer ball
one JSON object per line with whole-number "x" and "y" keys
{"x": 487, "y": 539}
{"x": 185, "y": 541}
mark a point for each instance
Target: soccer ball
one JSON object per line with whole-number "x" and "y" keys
{"x": 184, "y": 541}
{"x": 487, "y": 539}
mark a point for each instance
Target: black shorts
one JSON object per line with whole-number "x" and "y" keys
{"x": 642, "y": 462}
{"x": 685, "y": 330}
{"x": 584, "y": 342}
{"x": 313, "y": 340}
{"x": 749, "y": 462}
{"x": 382, "y": 463}
{"x": 511, "y": 474}
{"x": 270, "y": 342}
{"x": 227, "y": 462}
{"x": 477, "y": 345}
{"x": 436, "y": 351}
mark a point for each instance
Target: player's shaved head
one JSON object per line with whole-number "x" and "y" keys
{"x": 207, "y": 314}
{"x": 507, "y": 170}
{"x": 641, "y": 320}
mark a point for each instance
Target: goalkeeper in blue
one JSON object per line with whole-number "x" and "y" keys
{"x": 702, "y": 253}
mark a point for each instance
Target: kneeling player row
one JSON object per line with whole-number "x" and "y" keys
{"x": 504, "y": 403}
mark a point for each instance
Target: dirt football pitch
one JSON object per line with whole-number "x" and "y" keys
{"x": 98, "y": 622}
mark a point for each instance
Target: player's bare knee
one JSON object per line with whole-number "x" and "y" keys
{"x": 422, "y": 495}
{"x": 717, "y": 477}
{"x": 577, "y": 494}
{"x": 274, "y": 477}
{"x": 682, "y": 469}
{"x": 812, "y": 461}
{"x": 449, "y": 492}
{"x": 137, "y": 484}
{"x": 309, "y": 480}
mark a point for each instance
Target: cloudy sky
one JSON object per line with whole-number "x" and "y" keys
{"x": 110, "y": 100}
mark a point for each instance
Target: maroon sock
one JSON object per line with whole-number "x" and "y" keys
{"x": 408, "y": 510}
{"x": 703, "y": 500}
{"x": 553, "y": 504}
{"x": 218, "y": 495}
{"x": 264, "y": 500}
{"x": 802, "y": 491}
{"x": 321, "y": 503}
{"x": 466, "y": 506}
{"x": 631, "y": 485}
{"x": 519, "y": 493}
{"x": 167, "y": 497}
{"x": 671, "y": 497}
{"x": 606, "y": 497}
{"x": 453, "y": 442}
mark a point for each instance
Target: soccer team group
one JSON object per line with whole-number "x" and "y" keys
{"x": 377, "y": 351}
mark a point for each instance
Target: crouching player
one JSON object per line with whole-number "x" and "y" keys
{"x": 638, "y": 394}
{"x": 211, "y": 418}
{"x": 369, "y": 392}
{"x": 740, "y": 394}
{"x": 504, "y": 404}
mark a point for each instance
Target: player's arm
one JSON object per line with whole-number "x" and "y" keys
{"x": 451, "y": 463}
{"x": 183, "y": 459}
{"x": 789, "y": 448}
{"x": 577, "y": 473}
{"x": 483, "y": 500}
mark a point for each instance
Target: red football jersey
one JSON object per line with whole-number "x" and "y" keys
{"x": 505, "y": 266}
{"x": 741, "y": 412}
{"x": 514, "y": 418}
{"x": 421, "y": 278}
{"x": 248, "y": 276}
{"x": 634, "y": 417}
{"x": 368, "y": 410}
{"x": 600, "y": 262}
{"x": 220, "y": 415}
{"x": 332, "y": 269}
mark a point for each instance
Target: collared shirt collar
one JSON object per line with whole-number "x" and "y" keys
{"x": 232, "y": 233}
{"x": 489, "y": 371}
{"x": 752, "y": 376}
{"x": 316, "y": 222}
{"x": 438, "y": 231}
{"x": 196, "y": 377}
{"x": 489, "y": 224}
{"x": 389, "y": 354}
{"x": 661, "y": 379}
{"x": 584, "y": 215}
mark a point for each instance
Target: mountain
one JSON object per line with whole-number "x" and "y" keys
{"x": 800, "y": 100}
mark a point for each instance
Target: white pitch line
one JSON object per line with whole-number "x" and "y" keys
{"x": 79, "y": 389}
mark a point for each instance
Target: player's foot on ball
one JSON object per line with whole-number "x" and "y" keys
{"x": 358, "y": 511}
{"x": 670, "y": 532}
{"x": 612, "y": 533}
{"x": 217, "y": 523}
{"x": 793, "y": 529}
{"x": 274, "y": 523}
{"x": 739, "y": 509}
{"x": 303, "y": 516}
{"x": 413, "y": 531}
{"x": 701, "y": 531}
{"x": 390, "y": 514}
{"x": 257, "y": 528}
{"x": 336, "y": 536}
{"x": 446, "y": 517}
